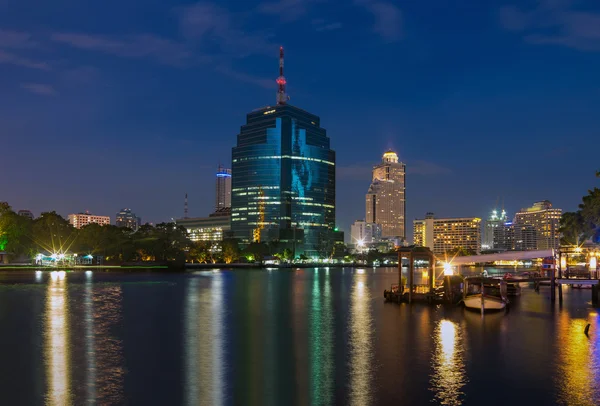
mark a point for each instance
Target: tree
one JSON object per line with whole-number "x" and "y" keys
{"x": 15, "y": 232}
{"x": 230, "y": 250}
{"x": 460, "y": 252}
{"x": 256, "y": 251}
{"x": 573, "y": 228}
{"x": 51, "y": 233}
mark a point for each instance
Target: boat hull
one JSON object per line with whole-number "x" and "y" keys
{"x": 489, "y": 302}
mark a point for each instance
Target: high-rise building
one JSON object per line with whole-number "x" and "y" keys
{"x": 215, "y": 227}
{"x": 493, "y": 222}
{"x": 83, "y": 219}
{"x": 283, "y": 177}
{"x": 443, "y": 235}
{"x": 223, "y": 189}
{"x": 365, "y": 233}
{"x": 544, "y": 219}
{"x": 503, "y": 237}
{"x": 385, "y": 200}
{"x": 25, "y": 213}
{"x": 126, "y": 218}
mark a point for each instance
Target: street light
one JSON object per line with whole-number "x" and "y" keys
{"x": 448, "y": 269}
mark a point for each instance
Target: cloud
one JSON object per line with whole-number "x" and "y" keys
{"x": 243, "y": 77}
{"x": 419, "y": 167}
{"x": 388, "y": 18}
{"x": 16, "y": 40}
{"x": 554, "y": 22}
{"x": 213, "y": 28}
{"x": 321, "y": 25}
{"x": 287, "y": 10}
{"x": 160, "y": 49}
{"x": 13, "y": 59}
{"x": 39, "y": 88}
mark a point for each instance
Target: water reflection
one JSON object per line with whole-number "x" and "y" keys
{"x": 321, "y": 342}
{"x": 90, "y": 342}
{"x": 204, "y": 342}
{"x": 361, "y": 336}
{"x": 56, "y": 351}
{"x": 449, "y": 376}
{"x": 578, "y": 381}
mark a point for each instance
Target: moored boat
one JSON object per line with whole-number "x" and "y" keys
{"x": 485, "y": 293}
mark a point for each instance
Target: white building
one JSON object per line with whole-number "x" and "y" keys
{"x": 545, "y": 220}
{"x": 365, "y": 233}
{"x": 385, "y": 200}
{"x": 223, "y": 188}
{"x": 83, "y": 219}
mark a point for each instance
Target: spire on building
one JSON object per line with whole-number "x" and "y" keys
{"x": 282, "y": 97}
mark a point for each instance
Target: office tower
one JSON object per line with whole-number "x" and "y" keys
{"x": 545, "y": 220}
{"x": 444, "y": 234}
{"x": 223, "y": 188}
{"x": 365, "y": 233}
{"x": 494, "y": 221}
{"x": 83, "y": 219}
{"x": 283, "y": 177}
{"x": 126, "y": 218}
{"x": 385, "y": 200}
{"x": 26, "y": 213}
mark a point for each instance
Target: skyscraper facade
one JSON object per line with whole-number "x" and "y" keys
{"x": 544, "y": 219}
{"x": 223, "y": 188}
{"x": 283, "y": 177}
{"x": 126, "y": 218}
{"x": 385, "y": 200}
{"x": 493, "y": 222}
{"x": 362, "y": 232}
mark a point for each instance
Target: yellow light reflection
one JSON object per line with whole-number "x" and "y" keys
{"x": 578, "y": 361}
{"x": 449, "y": 375}
{"x": 56, "y": 351}
{"x": 361, "y": 332}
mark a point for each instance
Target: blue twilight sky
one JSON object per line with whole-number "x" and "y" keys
{"x": 113, "y": 104}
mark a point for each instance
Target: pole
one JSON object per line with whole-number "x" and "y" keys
{"x": 410, "y": 276}
{"x": 482, "y": 300}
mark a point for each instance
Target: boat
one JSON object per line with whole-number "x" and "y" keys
{"x": 485, "y": 293}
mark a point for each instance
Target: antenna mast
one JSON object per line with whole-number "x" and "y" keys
{"x": 185, "y": 207}
{"x": 282, "y": 98}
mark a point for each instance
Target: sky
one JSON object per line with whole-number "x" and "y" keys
{"x": 114, "y": 104}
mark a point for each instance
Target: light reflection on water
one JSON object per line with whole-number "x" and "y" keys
{"x": 361, "y": 353}
{"x": 449, "y": 375}
{"x": 204, "y": 342}
{"x": 57, "y": 341}
{"x": 579, "y": 363}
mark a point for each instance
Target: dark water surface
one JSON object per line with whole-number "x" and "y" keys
{"x": 283, "y": 337}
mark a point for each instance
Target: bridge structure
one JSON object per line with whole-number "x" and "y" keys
{"x": 503, "y": 256}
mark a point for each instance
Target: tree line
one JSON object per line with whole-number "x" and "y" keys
{"x": 578, "y": 226}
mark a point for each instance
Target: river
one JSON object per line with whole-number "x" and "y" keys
{"x": 283, "y": 337}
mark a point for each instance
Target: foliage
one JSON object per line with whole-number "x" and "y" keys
{"x": 256, "y": 251}
{"x": 584, "y": 223}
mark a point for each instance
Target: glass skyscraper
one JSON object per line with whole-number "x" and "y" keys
{"x": 283, "y": 179}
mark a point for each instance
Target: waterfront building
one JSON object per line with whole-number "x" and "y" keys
{"x": 444, "y": 234}
{"x": 215, "y": 227}
{"x": 283, "y": 178}
{"x": 365, "y": 233}
{"x": 223, "y": 188}
{"x": 492, "y": 223}
{"x": 26, "y": 213}
{"x": 385, "y": 200}
{"x": 83, "y": 219}
{"x": 126, "y": 218}
{"x": 544, "y": 219}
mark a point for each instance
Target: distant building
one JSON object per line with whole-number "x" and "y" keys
{"x": 444, "y": 234}
{"x": 493, "y": 222}
{"x": 367, "y": 233}
{"x": 126, "y": 218}
{"x": 83, "y": 219}
{"x": 26, "y": 213}
{"x": 213, "y": 228}
{"x": 385, "y": 200}
{"x": 515, "y": 237}
{"x": 545, "y": 220}
{"x": 223, "y": 189}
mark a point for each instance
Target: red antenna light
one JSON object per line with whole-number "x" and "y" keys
{"x": 282, "y": 98}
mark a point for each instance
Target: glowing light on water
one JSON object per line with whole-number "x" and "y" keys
{"x": 449, "y": 375}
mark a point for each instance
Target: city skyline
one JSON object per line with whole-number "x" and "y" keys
{"x": 457, "y": 108}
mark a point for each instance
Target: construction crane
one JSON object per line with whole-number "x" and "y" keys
{"x": 260, "y": 223}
